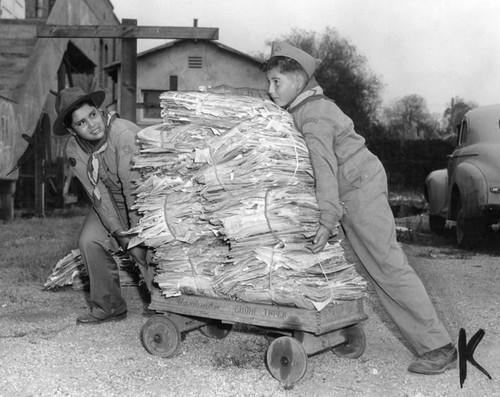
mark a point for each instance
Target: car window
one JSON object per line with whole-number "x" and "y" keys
{"x": 463, "y": 133}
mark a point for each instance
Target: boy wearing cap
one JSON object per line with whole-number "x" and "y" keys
{"x": 351, "y": 186}
{"x": 100, "y": 152}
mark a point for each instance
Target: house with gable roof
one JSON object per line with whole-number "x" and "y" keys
{"x": 185, "y": 65}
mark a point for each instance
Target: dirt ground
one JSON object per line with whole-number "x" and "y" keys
{"x": 44, "y": 353}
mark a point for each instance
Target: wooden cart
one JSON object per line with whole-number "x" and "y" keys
{"x": 305, "y": 332}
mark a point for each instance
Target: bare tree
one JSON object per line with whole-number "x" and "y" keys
{"x": 409, "y": 118}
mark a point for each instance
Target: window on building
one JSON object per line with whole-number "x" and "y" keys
{"x": 152, "y": 104}
{"x": 195, "y": 62}
{"x": 173, "y": 83}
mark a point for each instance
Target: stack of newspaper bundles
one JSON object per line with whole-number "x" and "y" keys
{"x": 228, "y": 205}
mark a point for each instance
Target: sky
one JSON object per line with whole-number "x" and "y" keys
{"x": 438, "y": 49}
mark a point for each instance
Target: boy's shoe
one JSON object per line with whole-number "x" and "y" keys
{"x": 89, "y": 319}
{"x": 436, "y": 361}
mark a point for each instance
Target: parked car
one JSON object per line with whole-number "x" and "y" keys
{"x": 466, "y": 195}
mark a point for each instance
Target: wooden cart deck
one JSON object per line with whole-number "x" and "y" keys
{"x": 305, "y": 331}
{"x": 333, "y": 317}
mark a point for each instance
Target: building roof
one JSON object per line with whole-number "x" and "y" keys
{"x": 178, "y": 41}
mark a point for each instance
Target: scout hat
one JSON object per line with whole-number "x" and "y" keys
{"x": 67, "y": 99}
{"x": 284, "y": 49}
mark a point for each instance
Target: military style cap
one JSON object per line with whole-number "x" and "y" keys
{"x": 284, "y": 49}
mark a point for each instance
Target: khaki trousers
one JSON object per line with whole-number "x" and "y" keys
{"x": 369, "y": 225}
{"x": 96, "y": 246}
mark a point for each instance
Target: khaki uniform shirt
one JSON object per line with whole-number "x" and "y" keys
{"x": 331, "y": 140}
{"x": 116, "y": 176}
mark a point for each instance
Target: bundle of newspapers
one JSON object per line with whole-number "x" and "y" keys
{"x": 228, "y": 205}
{"x": 71, "y": 270}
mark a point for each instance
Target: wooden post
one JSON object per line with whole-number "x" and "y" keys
{"x": 7, "y": 192}
{"x": 128, "y": 32}
{"x": 39, "y": 172}
{"x": 41, "y": 157}
{"x": 128, "y": 85}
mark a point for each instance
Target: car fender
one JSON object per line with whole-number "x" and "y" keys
{"x": 435, "y": 192}
{"x": 470, "y": 183}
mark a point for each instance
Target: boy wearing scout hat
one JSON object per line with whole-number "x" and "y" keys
{"x": 351, "y": 187}
{"x": 100, "y": 152}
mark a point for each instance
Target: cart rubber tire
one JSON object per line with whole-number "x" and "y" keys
{"x": 217, "y": 330}
{"x": 160, "y": 336}
{"x": 355, "y": 343}
{"x": 287, "y": 360}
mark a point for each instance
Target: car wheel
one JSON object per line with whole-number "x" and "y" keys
{"x": 436, "y": 223}
{"x": 468, "y": 230}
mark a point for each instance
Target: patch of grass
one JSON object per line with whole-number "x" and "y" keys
{"x": 30, "y": 248}
{"x": 249, "y": 354}
{"x": 408, "y": 228}
{"x": 410, "y": 195}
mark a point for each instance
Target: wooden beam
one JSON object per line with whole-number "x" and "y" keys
{"x": 128, "y": 83}
{"x": 124, "y": 31}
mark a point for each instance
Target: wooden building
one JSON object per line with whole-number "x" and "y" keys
{"x": 32, "y": 70}
{"x": 186, "y": 64}
{"x": 65, "y": 43}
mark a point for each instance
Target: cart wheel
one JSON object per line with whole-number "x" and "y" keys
{"x": 160, "y": 336}
{"x": 287, "y": 360}
{"x": 216, "y": 330}
{"x": 355, "y": 343}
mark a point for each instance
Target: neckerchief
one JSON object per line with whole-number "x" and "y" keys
{"x": 312, "y": 89}
{"x": 93, "y": 150}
